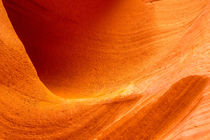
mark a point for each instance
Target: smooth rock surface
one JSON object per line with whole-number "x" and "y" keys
{"x": 104, "y": 69}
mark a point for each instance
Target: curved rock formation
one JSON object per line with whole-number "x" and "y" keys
{"x": 104, "y": 69}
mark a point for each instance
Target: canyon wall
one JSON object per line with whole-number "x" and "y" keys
{"x": 104, "y": 69}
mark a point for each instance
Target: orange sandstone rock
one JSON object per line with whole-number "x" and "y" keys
{"x": 104, "y": 69}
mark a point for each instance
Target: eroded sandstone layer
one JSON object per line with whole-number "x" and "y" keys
{"x": 104, "y": 69}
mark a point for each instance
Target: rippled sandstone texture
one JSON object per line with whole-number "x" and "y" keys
{"x": 104, "y": 69}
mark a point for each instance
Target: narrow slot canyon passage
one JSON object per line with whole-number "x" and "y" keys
{"x": 86, "y": 49}
{"x": 104, "y": 69}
